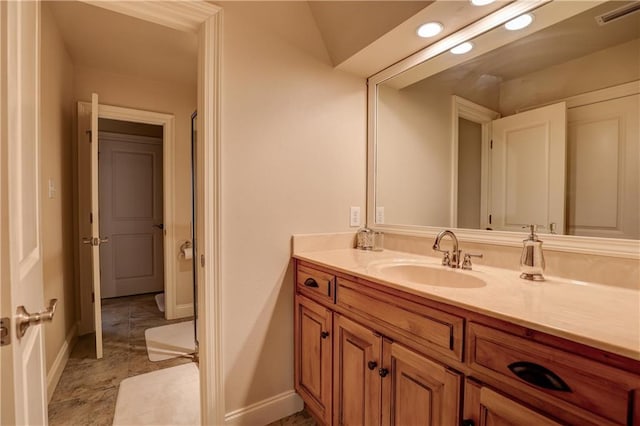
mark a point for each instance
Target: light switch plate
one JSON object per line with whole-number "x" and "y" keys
{"x": 52, "y": 188}
{"x": 354, "y": 216}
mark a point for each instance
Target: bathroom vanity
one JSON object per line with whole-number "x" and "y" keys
{"x": 396, "y": 338}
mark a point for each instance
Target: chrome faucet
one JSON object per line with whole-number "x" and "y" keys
{"x": 454, "y": 260}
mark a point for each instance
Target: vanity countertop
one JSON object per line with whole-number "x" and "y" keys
{"x": 601, "y": 316}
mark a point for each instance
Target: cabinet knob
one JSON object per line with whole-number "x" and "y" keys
{"x": 372, "y": 365}
{"x": 324, "y": 334}
{"x": 468, "y": 422}
{"x": 383, "y": 372}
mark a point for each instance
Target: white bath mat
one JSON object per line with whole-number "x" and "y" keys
{"x": 170, "y": 341}
{"x": 160, "y": 301}
{"x": 164, "y": 397}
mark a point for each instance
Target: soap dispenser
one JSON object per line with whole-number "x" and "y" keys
{"x": 532, "y": 259}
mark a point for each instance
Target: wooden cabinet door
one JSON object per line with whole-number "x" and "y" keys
{"x": 313, "y": 352}
{"x": 418, "y": 391}
{"x": 357, "y": 355}
{"x": 488, "y": 408}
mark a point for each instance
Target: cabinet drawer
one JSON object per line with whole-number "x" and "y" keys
{"x": 316, "y": 284}
{"x": 430, "y": 328}
{"x": 540, "y": 369}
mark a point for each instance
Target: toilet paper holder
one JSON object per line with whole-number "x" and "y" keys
{"x": 186, "y": 248}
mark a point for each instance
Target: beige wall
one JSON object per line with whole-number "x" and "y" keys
{"x": 293, "y": 161}
{"x": 56, "y": 123}
{"x": 157, "y": 96}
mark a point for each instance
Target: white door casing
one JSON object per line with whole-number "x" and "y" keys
{"x": 21, "y": 104}
{"x": 603, "y": 162}
{"x": 528, "y": 156}
{"x": 131, "y": 203}
{"x": 463, "y": 108}
{"x": 205, "y": 19}
{"x": 89, "y": 216}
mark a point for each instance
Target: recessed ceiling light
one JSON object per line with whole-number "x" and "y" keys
{"x": 481, "y": 2}
{"x": 462, "y": 48}
{"x": 522, "y": 21}
{"x": 429, "y": 29}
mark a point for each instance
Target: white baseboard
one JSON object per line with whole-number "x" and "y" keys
{"x": 266, "y": 411}
{"x": 54, "y": 374}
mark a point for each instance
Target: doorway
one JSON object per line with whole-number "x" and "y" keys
{"x": 131, "y": 197}
{"x": 129, "y": 272}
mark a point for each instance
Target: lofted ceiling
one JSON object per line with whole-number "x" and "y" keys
{"x": 349, "y": 26}
{"x": 361, "y": 37}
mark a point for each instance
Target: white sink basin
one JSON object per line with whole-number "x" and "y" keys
{"x": 421, "y": 273}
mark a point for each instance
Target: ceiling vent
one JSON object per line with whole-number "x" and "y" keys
{"x": 618, "y": 13}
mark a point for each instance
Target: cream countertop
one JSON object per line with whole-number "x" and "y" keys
{"x": 601, "y": 316}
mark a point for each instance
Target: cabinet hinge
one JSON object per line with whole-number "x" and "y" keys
{"x": 93, "y": 297}
{"x": 90, "y": 217}
{"x": 489, "y": 219}
{"x": 5, "y": 331}
{"x": 491, "y": 144}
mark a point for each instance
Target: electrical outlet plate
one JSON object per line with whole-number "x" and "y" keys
{"x": 354, "y": 216}
{"x": 379, "y": 215}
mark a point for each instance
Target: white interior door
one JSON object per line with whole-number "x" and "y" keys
{"x": 89, "y": 219}
{"x": 131, "y": 202}
{"x": 603, "y": 163}
{"x": 21, "y": 209}
{"x": 528, "y": 164}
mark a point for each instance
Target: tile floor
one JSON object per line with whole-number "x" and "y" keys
{"x": 87, "y": 391}
{"x": 298, "y": 419}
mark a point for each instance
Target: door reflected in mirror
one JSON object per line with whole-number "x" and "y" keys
{"x": 541, "y": 130}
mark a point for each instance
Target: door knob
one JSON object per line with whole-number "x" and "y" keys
{"x": 24, "y": 319}
{"x": 94, "y": 241}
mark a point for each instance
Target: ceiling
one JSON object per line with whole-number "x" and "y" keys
{"x": 361, "y": 37}
{"x": 349, "y": 26}
{"x": 98, "y": 38}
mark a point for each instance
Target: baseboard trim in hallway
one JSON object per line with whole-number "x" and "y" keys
{"x": 266, "y": 411}
{"x": 55, "y": 373}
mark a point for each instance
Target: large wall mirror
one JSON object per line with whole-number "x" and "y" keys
{"x": 534, "y": 126}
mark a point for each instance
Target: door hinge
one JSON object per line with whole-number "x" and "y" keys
{"x": 491, "y": 144}
{"x": 93, "y": 297}
{"x": 489, "y": 219}
{"x": 89, "y": 133}
{"x": 202, "y": 260}
{"x": 90, "y": 217}
{"x": 5, "y": 331}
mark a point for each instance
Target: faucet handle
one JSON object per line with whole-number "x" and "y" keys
{"x": 446, "y": 259}
{"x": 466, "y": 263}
